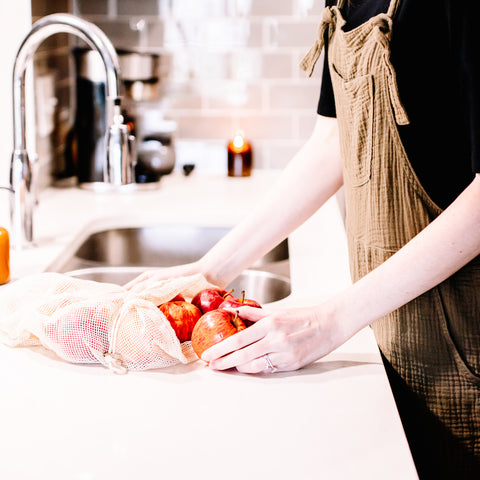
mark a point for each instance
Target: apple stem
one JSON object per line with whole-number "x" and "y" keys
{"x": 243, "y": 297}
{"x": 228, "y": 293}
{"x": 236, "y": 319}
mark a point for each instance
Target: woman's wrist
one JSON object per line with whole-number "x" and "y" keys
{"x": 209, "y": 270}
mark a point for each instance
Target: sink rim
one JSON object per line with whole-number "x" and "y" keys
{"x": 139, "y": 269}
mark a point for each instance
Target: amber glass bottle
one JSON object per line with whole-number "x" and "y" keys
{"x": 4, "y": 256}
{"x": 239, "y": 157}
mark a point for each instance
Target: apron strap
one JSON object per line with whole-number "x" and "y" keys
{"x": 308, "y": 62}
{"x": 392, "y": 9}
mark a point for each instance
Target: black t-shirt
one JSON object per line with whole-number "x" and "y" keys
{"x": 438, "y": 77}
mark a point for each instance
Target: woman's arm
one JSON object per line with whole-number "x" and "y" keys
{"x": 437, "y": 252}
{"x": 296, "y": 337}
{"x": 311, "y": 177}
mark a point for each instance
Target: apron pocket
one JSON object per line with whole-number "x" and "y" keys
{"x": 466, "y": 370}
{"x": 356, "y": 107}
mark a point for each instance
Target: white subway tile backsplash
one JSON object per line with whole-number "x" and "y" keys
{"x": 276, "y": 65}
{"x": 280, "y": 152}
{"x": 309, "y": 7}
{"x": 266, "y": 126}
{"x": 232, "y": 94}
{"x": 272, "y": 7}
{"x": 306, "y": 122}
{"x": 198, "y": 9}
{"x": 246, "y": 65}
{"x": 239, "y": 7}
{"x": 292, "y": 34}
{"x": 300, "y": 95}
{"x": 225, "y": 34}
{"x": 182, "y": 96}
{"x": 202, "y": 126}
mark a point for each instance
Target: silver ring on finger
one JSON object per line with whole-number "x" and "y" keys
{"x": 268, "y": 364}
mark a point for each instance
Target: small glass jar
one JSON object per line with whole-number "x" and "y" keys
{"x": 239, "y": 157}
{"x": 4, "y": 256}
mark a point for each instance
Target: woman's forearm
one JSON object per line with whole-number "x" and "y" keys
{"x": 438, "y": 251}
{"x": 313, "y": 175}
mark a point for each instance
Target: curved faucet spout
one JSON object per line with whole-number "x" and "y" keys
{"x": 21, "y": 168}
{"x": 43, "y": 29}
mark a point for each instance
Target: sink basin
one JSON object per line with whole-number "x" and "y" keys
{"x": 160, "y": 245}
{"x": 117, "y": 255}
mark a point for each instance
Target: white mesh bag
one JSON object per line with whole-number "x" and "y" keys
{"x": 84, "y": 321}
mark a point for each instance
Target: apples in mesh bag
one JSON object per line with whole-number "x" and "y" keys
{"x": 84, "y": 321}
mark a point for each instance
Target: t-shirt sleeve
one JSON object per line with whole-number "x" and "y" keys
{"x": 470, "y": 72}
{"x": 326, "y": 102}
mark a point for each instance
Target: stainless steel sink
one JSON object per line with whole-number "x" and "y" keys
{"x": 117, "y": 255}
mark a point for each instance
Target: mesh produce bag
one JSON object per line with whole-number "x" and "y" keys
{"x": 84, "y": 321}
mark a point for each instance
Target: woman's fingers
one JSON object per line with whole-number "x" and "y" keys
{"x": 268, "y": 363}
{"x": 236, "y": 342}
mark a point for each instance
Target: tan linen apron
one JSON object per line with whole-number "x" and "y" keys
{"x": 431, "y": 346}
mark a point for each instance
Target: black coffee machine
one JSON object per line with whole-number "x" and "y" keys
{"x": 85, "y": 149}
{"x": 86, "y": 142}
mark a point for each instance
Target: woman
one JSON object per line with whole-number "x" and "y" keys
{"x": 397, "y": 127}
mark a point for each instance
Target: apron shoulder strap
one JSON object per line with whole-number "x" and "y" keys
{"x": 392, "y": 9}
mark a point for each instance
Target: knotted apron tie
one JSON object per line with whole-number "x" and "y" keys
{"x": 308, "y": 62}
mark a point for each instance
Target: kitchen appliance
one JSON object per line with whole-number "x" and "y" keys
{"x": 86, "y": 148}
{"x": 140, "y": 74}
{"x": 156, "y": 145}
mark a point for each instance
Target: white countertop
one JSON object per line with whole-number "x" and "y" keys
{"x": 335, "y": 419}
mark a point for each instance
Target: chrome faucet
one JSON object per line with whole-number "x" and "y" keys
{"x": 119, "y": 164}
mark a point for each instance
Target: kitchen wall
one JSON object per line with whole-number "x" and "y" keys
{"x": 232, "y": 64}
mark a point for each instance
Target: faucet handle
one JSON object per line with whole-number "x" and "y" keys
{"x": 120, "y": 164}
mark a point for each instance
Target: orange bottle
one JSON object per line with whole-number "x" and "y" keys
{"x": 4, "y": 256}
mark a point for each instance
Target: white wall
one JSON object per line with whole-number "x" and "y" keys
{"x": 16, "y": 22}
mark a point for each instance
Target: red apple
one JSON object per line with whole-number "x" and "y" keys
{"x": 232, "y": 302}
{"x": 210, "y": 298}
{"x": 213, "y": 327}
{"x": 182, "y": 317}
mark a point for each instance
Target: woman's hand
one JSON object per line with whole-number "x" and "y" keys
{"x": 291, "y": 338}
